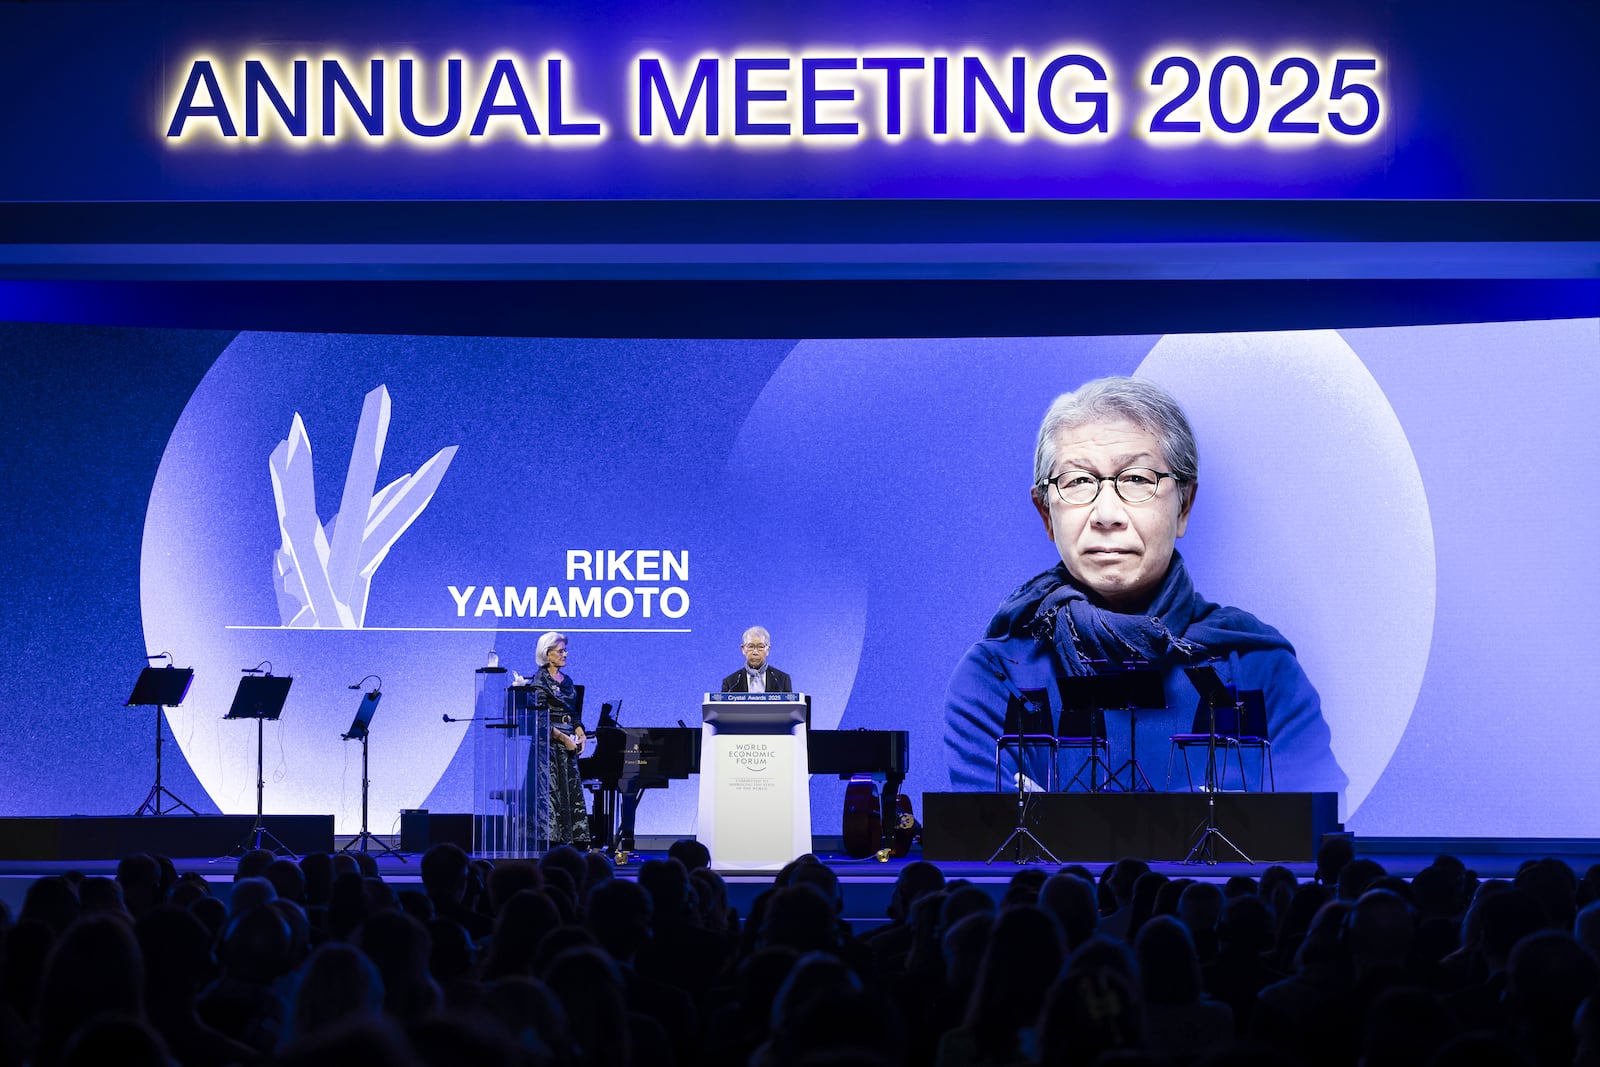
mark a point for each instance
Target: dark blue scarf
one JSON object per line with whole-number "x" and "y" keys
{"x": 1180, "y": 626}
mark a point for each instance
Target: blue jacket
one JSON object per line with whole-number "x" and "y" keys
{"x": 1048, "y": 630}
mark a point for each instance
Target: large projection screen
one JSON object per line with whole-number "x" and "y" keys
{"x": 1410, "y": 506}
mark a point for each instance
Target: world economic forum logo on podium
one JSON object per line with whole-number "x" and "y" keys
{"x": 752, "y": 756}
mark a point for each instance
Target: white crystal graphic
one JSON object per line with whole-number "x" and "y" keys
{"x": 323, "y": 573}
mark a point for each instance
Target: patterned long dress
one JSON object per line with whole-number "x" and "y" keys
{"x": 562, "y": 819}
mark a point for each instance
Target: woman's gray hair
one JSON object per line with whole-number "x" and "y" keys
{"x": 546, "y": 643}
{"x": 1135, "y": 400}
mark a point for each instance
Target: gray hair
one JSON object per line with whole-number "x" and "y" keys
{"x": 1143, "y": 403}
{"x": 546, "y": 643}
{"x": 756, "y": 631}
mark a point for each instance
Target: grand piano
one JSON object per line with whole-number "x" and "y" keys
{"x": 650, "y": 757}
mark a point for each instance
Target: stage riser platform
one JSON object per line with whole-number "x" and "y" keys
{"x": 1102, "y": 827}
{"x": 89, "y": 837}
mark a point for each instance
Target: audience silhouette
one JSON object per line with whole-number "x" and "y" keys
{"x": 561, "y": 962}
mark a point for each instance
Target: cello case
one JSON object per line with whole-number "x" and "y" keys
{"x": 863, "y": 823}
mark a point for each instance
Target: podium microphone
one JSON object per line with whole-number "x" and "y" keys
{"x": 161, "y": 655}
{"x": 250, "y": 670}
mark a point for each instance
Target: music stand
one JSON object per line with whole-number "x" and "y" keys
{"x": 1215, "y": 693}
{"x": 360, "y": 729}
{"x": 1128, "y": 689}
{"x": 1083, "y": 725}
{"x": 161, "y": 687}
{"x": 1027, "y": 717}
{"x": 260, "y": 697}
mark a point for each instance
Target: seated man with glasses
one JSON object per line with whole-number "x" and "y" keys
{"x": 1115, "y": 473}
{"x": 757, "y": 675}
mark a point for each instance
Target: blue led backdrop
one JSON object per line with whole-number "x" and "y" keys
{"x": 1393, "y": 500}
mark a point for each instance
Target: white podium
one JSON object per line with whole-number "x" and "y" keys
{"x": 755, "y": 795}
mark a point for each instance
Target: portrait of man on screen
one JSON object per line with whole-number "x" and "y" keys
{"x": 1116, "y": 478}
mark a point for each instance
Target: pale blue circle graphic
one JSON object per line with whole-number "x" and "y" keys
{"x": 1312, "y": 514}
{"x": 909, "y": 462}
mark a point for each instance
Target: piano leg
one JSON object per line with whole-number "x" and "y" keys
{"x": 630, "y": 813}
{"x": 603, "y": 819}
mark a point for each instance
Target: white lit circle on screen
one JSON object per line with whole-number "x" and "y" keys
{"x": 1312, "y": 515}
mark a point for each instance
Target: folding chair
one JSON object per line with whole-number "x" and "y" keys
{"x": 1028, "y": 731}
{"x": 1253, "y": 735}
{"x": 1240, "y": 725}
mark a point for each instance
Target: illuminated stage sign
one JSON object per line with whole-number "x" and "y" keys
{"x": 501, "y": 100}
{"x": 829, "y": 99}
{"x": 809, "y": 100}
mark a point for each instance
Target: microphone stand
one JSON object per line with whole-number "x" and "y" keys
{"x": 1021, "y": 832}
{"x": 259, "y": 831}
{"x": 1204, "y": 848}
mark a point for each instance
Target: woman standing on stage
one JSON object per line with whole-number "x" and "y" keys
{"x": 563, "y": 821}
